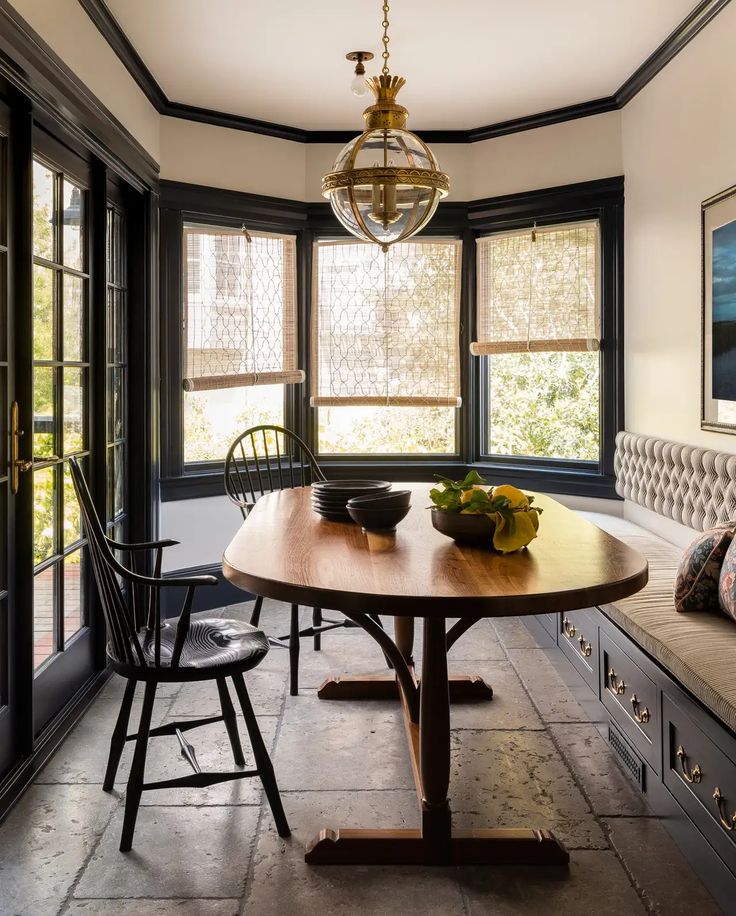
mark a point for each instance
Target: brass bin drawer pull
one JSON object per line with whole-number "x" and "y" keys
{"x": 569, "y": 628}
{"x": 641, "y": 715}
{"x": 618, "y": 687}
{"x": 585, "y": 647}
{"x": 728, "y": 822}
{"x": 696, "y": 774}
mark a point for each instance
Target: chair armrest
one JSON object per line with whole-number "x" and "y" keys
{"x": 145, "y": 545}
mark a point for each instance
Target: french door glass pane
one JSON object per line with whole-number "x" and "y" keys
{"x": 43, "y": 211}
{"x": 44, "y": 514}
{"x": 73, "y": 578}
{"x": 73, "y": 410}
{"x": 44, "y": 411}
{"x": 44, "y": 603}
{"x": 72, "y": 517}
{"x": 74, "y": 318}
{"x": 44, "y": 323}
{"x": 73, "y": 217}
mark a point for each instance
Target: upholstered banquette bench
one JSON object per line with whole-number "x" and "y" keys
{"x": 667, "y": 680}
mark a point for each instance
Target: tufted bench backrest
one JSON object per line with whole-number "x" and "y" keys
{"x": 694, "y": 486}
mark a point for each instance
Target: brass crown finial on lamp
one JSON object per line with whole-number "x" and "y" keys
{"x": 386, "y": 183}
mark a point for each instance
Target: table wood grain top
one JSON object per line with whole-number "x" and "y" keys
{"x": 285, "y": 551}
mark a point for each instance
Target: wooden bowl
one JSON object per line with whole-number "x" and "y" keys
{"x": 465, "y": 529}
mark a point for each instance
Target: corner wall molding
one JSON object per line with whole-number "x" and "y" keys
{"x": 694, "y": 22}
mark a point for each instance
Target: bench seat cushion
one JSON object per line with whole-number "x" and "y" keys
{"x": 699, "y": 650}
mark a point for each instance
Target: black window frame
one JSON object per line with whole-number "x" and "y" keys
{"x": 602, "y": 200}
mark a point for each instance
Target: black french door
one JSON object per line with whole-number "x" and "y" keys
{"x": 67, "y": 230}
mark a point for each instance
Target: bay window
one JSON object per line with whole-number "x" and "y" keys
{"x": 492, "y": 342}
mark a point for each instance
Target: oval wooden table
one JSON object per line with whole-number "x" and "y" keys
{"x": 287, "y": 552}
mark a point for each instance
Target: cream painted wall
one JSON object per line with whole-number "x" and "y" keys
{"x": 562, "y": 154}
{"x": 69, "y": 31}
{"x": 679, "y": 137}
{"x": 232, "y": 159}
{"x": 581, "y": 150}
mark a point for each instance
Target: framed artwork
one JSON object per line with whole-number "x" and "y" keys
{"x": 718, "y": 410}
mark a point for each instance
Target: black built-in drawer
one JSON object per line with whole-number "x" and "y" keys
{"x": 549, "y": 622}
{"x": 631, "y": 697}
{"x": 702, "y": 777}
{"x": 578, "y": 639}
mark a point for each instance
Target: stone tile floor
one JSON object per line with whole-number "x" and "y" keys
{"x": 531, "y": 757}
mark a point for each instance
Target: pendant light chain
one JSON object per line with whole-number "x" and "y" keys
{"x": 385, "y": 39}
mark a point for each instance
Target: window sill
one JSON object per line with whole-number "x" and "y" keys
{"x": 567, "y": 481}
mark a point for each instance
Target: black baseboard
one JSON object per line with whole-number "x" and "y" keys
{"x": 207, "y": 597}
{"x": 23, "y": 774}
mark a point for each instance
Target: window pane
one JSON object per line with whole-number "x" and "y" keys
{"x": 545, "y": 405}
{"x": 213, "y": 419}
{"x": 74, "y": 331}
{"x": 73, "y": 410}
{"x": 43, "y": 211}
{"x": 73, "y": 216}
{"x": 44, "y": 514}
{"x": 73, "y": 568}
{"x": 43, "y": 313}
{"x": 72, "y": 515}
{"x": 115, "y": 405}
{"x": 44, "y": 411}
{"x": 118, "y": 491}
{"x": 44, "y": 607}
{"x": 386, "y": 430}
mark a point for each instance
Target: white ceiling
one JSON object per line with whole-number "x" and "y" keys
{"x": 467, "y": 63}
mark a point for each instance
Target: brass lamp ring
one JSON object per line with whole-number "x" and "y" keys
{"x": 420, "y": 178}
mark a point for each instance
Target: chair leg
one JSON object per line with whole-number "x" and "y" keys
{"x": 262, "y": 758}
{"x": 231, "y": 723}
{"x": 256, "y": 614}
{"x": 316, "y": 622}
{"x": 294, "y": 651}
{"x": 117, "y": 742}
{"x": 137, "y": 770}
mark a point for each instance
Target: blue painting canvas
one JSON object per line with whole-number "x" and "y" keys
{"x": 724, "y": 312}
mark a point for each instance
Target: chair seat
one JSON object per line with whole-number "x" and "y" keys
{"x": 211, "y": 643}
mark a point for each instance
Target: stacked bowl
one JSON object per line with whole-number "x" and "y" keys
{"x": 380, "y": 511}
{"x": 330, "y": 497}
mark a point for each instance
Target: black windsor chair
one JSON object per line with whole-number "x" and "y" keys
{"x": 265, "y": 459}
{"x": 142, "y": 647}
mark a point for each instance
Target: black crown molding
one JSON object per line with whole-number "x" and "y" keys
{"x": 29, "y": 64}
{"x": 109, "y": 27}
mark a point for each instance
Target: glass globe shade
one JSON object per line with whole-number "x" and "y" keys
{"x": 385, "y": 185}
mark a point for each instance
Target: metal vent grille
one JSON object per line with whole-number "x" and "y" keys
{"x": 627, "y": 758}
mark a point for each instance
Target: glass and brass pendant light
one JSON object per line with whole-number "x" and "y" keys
{"x": 386, "y": 183}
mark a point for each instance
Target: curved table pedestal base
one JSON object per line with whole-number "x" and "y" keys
{"x": 426, "y": 710}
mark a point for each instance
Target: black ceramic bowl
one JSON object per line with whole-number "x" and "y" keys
{"x": 465, "y": 529}
{"x": 378, "y": 519}
{"x": 390, "y": 500}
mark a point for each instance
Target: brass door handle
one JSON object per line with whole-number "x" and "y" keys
{"x": 585, "y": 647}
{"x": 729, "y": 824}
{"x": 618, "y": 688}
{"x": 568, "y": 628}
{"x": 18, "y": 465}
{"x": 642, "y": 716}
{"x": 696, "y": 774}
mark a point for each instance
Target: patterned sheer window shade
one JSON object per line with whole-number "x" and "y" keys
{"x": 539, "y": 290}
{"x": 385, "y": 327}
{"x": 240, "y": 308}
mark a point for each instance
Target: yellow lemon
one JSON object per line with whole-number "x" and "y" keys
{"x": 525, "y": 530}
{"x": 516, "y": 498}
{"x": 466, "y": 495}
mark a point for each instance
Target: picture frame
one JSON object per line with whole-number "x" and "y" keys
{"x": 718, "y": 314}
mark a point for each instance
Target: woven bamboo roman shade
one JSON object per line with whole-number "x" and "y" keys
{"x": 385, "y": 327}
{"x": 239, "y": 308}
{"x": 539, "y": 290}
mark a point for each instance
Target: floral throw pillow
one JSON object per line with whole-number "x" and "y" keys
{"x": 699, "y": 575}
{"x": 727, "y": 584}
